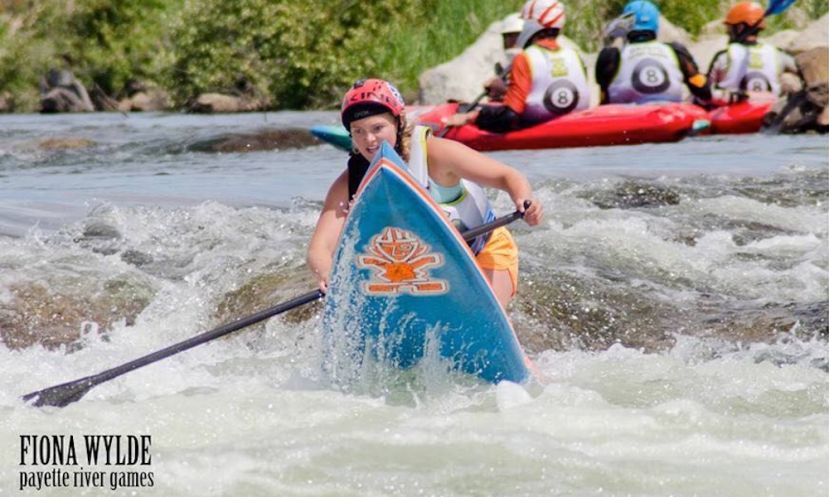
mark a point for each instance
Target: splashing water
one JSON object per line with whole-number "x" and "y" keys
{"x": 675, "y": 302}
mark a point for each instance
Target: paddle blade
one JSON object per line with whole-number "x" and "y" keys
{"x": 778, "y": 6}
{"x": 699, "y": 127}
{"x": 619, "y": 27}
{"x": 61, "y": 395}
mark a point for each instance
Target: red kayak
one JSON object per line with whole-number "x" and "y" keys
{"x": 603, "y": 125}
{"x": 743, "y": 117}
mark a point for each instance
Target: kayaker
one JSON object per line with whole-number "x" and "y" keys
{"x": 646, "y": 70}
{"x": 511, "y": 28}
{"x": 373, "y": 111}
{"x": 546, "y": 80}
{"x": 747, "y": 67}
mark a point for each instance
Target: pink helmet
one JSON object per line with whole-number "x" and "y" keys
{"x": 369, "y": 97}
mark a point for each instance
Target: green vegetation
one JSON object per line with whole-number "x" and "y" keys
{"x": 104, "y": 42}
{"x": 285, "y": 53}
{"x": 442, "y": 31}
{"x": 290, "y": 54}
{"x": 305, "y": 54}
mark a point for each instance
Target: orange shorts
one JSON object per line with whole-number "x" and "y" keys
{"x": 500, "y": 254}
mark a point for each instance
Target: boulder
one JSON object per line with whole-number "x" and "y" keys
{"x": 36, "y": 314}
{"x": 6, "y": 103}
{"x": 151, "y": 100}
{"x": 668, "y": 33}
{"x": 783, "y": 39}
{"x": 815, "y": 35}
{"x": 463, "y": 77}
{"x": 823, "y": 118}
{"x": 60, "y": 91}
{"x": 814, "y": 66}
{"x": 712, "y": 28}
{"x": 63, "y": 100}
{"x": 790, "y": 83}
{"x": 208, "y": 103}
{"x": 267, "y": 139}
{"x": 807, "y": 109}
{"x": 797, "y": 17}
{"x": 705, "y": 49}
{"x": 794, "y": 41}
{"x": 65, "y": 143}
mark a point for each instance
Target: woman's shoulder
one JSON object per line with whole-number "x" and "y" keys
{"x": 448, "y": 153}
{"x": 435, "y": 146}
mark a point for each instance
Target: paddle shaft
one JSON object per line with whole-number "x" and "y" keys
{"x": 66, "y": 393}
{"x": 501, "y": 221}
{"x": 210, "y": 335}
{"x": 473, "y": 104}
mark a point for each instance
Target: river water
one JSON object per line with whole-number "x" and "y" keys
{"x": 675, "y": 302}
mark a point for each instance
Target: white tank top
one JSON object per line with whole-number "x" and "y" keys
{"x": 752, "y": 68}
{"x": 648, "y": 72}
{"x": 559, "y": 84}
{"x": 470, "y": 210}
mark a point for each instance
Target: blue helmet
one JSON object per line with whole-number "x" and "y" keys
{"x": 645, "y": 15}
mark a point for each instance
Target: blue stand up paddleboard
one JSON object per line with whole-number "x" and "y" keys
{"x": 405, "y": 284}
{"x": 334, "y": 135}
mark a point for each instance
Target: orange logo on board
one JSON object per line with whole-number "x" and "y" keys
{"x": 400, "y": 262}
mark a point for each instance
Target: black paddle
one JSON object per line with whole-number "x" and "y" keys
{"x": 66, "y": 393}
{"x": 462, "y": 108}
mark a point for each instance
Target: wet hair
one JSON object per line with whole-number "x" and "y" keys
{"x": 404, "y": 139}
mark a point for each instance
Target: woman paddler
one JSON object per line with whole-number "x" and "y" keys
{"x": 373, "y": 111}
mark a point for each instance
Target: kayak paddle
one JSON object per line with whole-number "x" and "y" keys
{"x": 777, "y": 7}
{"x": 67, "y": 393}
{"x": 499, "y": 72}
{"x": 618, "y": 28}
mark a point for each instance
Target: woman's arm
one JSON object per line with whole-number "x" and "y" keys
{"x": 327, "y": 232}
{"x": 449, "y": 161}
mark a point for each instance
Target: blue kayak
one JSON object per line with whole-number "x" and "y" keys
{"x": 335, "y": 135}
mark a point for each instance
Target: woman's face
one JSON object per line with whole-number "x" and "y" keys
{"x": 368, "y": 133}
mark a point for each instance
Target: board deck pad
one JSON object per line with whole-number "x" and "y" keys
{"x": 404, "y": 283}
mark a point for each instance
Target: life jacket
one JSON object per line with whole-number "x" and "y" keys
{"x": 648, "y": 72}
{"x": 470, "y": 210}
{"x": 559, "y": 84}
{"x": 752, "y": 68}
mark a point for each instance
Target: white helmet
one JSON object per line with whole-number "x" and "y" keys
{"x": 540, "y": 15}
{"x": 513, "y": 23}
